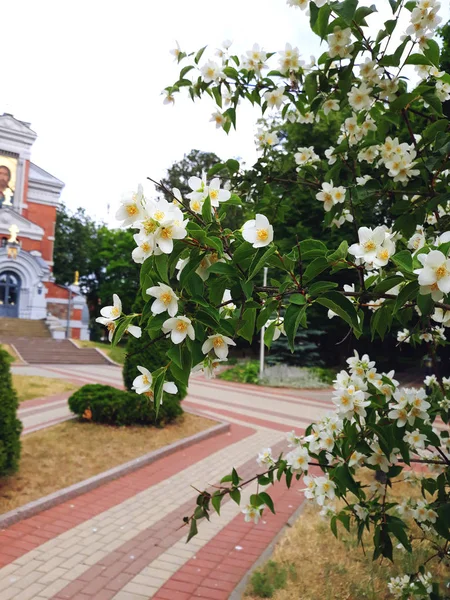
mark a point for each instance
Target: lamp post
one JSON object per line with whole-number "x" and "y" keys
{"x": 69, "y": 305}
{"x": 261, "y": 344}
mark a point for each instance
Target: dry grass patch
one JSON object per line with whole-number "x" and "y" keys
{"x": 29, "y": 387}
{"x": 70, "y": 452}
{"x": 309, "y": 563}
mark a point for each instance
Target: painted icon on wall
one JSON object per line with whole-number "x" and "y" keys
{"x": 8, "y": 173}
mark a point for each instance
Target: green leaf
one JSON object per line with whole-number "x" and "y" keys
{"x": 175, "y": 355}
{"x": 341, "y": 306}
{"x": 191, "y": 267}
{"x": 206, "y": 210}
{"x": 407, "y": 292}
{"x": 312, "y": 249}
{"x": 319, "y": 19}
{"x": 120, "y": 329}
{"x": 162, "y": 266}
{"x": 340, "y": 253}
{"x": 247, "y": 329}
{"x": 216, "y": 500}
{"x": 185, "y": 70}
{"x": 216, "y": 169}
{"x": 292, "y": 319}
{"x": 362, "y": 12}
{"x": 298, "y": 299}
{"x": 235, "y": 477}
{"x": 321, "y": 286}
{"x": 398, "y": 528}
{"x": 387, "y": 284}
{"x": 267, "y": 501}
{"x": 403, "y": 260}
{"x": 221, "y": 268}
{"x": 259, "y": 261}
{"x": 346, "y": 10}
{"x": 310, "y": 86}
{"x": 192, "y": 530}
{"x": 158, "y": 383}
{"x": 235, "y": 495}
{"x": 199, "y": 55}
{"x": 265, "y": 313}
{"x": 381, "y": 321}
{"x": 425, "y": 304}
{"x": 315, "y": 268}
{"x": 232, "y": 166}
{"x": 432, "y": 52}
{"x": 417, "y": 59}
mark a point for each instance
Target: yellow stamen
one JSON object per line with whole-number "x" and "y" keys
{"x": 166, "y": 298}
{"x": 441, "y": 272}
{"x": 370, "y": 246}
{"x": 262, "y": 234}
{"x": 131, "y": 209}
{"x": 218, "y": 342}
{"x": 181, "y": 326}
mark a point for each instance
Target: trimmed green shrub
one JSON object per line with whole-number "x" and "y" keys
{"x": 10, "y": 426}
{"x": 105, "y": 404}
{"x": 146, "y": 354}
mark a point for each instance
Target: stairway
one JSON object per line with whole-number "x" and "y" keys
{"x": 41, "y": 350}
{"x": 35, "y": 328}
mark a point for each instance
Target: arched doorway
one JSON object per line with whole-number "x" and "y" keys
{"x": 9, "y": 294}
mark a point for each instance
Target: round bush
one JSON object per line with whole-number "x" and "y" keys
{"x": 10, "y": 426}
{"x": 105, "y": 404}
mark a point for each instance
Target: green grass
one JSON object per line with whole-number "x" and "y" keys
{"x": 115, "y": 353}
{"x": 280, "y": 375}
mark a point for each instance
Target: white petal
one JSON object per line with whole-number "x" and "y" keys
{"x": 177, "y": 337}
{"x": 134, "y": 330}
{"x": 207, "y": 346}
{"x": 170, "y": 388}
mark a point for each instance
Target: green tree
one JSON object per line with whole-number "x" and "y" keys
{"x": 10, "y": 426}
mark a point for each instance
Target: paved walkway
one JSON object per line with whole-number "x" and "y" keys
{"x": 124, "y": 540}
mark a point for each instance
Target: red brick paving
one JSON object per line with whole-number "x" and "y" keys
{"x": 36, "y": 530}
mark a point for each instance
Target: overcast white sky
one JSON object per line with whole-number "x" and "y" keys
{"x": 87, "y": 75}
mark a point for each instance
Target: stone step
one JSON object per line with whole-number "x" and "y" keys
{"x": 24, "y": 327}
{"x": 35, "y": 350}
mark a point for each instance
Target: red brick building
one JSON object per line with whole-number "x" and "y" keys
{"x": 29, "y": 197}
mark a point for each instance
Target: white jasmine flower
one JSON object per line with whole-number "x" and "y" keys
{"x": 211, "y": 71}
{"x": 375, "y": 246}
{"x": 179, "y": 328}
{"x": 330, "y": 105}
{"x": 112, "y": 312}
{"x": 145, "y": 247}
{"x": 217, "y": 194}
{"x": 130, "y": 210}
{"x": 166, "y": 300}
{"x": 258, "y": 231}
{"x": 219, "y": 343}
{"x": 252, "y": 513}
{"x": 170, "y": 229}
{"x": 218, "y": 118}
{"x": 265, "y": 458}
{"x": 435, "y": 271}
{"x": 359, "y": 97}
{"x": 143, "y": 383}
{"x": 275, "y": 98}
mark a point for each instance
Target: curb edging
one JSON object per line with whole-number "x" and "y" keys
{"x": 51, "y": 500}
